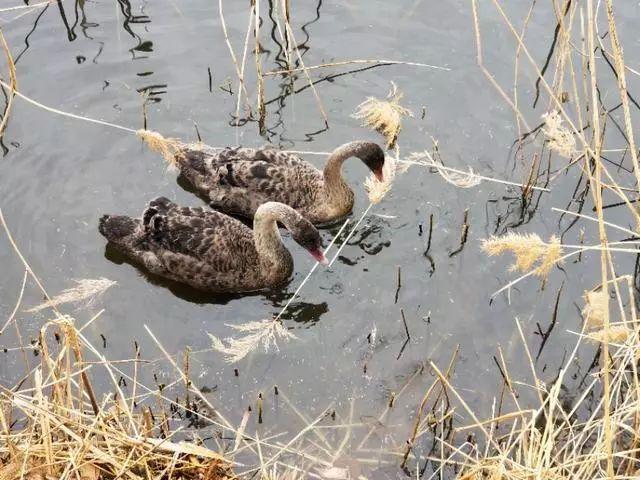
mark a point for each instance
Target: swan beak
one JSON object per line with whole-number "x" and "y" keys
{"x": 319, "y": 256}
{"x": 379, "y": 175}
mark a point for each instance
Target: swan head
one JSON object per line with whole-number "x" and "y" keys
{"x": 307, "y": 236}
{"x": 373, "y": 157}
{"x": 301, "y": 229}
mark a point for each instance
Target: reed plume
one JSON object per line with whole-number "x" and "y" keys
{"x": 529, "y": 249}
{"x": 167, "y": 147}
{"x": 86, "y": 290}
{"x": 258, "y": 334}
{"x": 377, "y": 190}
{"x": 594, "y": 309}
{"x": 384, "y": 116}
{"x": 559, "y": 137}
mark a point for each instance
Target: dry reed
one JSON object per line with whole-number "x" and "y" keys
{"x": 86, "y": 290}
{"x": 559, "y": 137}
{"x": 377, "y": 190}
{"x": 529, "y": 250}
{"x": 47, "y": 430}
{"x": 593, "y": 311}
{"x": 167, "y": 147}
{"x": 384, "y": 116}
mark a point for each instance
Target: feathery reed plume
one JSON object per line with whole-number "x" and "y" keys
{"x": 457, "y": 178}
{"x": 559, "y": 137}
{"x": 86, "y": 290}
{"x": 167, "y": 147}
{"x": 384, "y": 116}
{"x": 615, "y": 334}
{"x": 594, "y": 308}
{"x": 263, "y": 333}
{"x": 377, "y": 190}
{"x": 528, "y": 249}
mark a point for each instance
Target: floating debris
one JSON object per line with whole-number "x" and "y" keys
{"x": 457, "y": 178}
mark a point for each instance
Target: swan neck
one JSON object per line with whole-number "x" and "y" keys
{"x": 333, "y": 179}
{"x": 274, "y": 257}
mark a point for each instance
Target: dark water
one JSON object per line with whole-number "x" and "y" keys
{"x": 58, "y": 175}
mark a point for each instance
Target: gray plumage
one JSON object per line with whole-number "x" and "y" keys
{"x": 239, "y": 180}
{"x": 210, "y": 250}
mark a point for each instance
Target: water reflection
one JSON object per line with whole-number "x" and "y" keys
{"x": 71, "y": 34}
{"x": 300, "y": 312}
{"x": 131, "y": 19}
{"x": 371, "y": 237}
{"x": 29, "y": 33}
{"x": 286, "y": 57}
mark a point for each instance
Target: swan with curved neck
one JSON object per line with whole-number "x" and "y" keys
{"x": 239, "y": 180}
{"x": 210, "y": 250}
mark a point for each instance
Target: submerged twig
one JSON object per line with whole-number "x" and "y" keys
{"x": 398, "y": 283}
{"x": 464, "y": 233}
{"x": 406, "y": 330}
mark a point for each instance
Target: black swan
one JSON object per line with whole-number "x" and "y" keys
{"x": 210, "y": 250}
{"x": 238, "y": 180}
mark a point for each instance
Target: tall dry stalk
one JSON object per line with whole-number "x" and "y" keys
{"x": 596, "y": 191}
{"x": 13, "y": 83}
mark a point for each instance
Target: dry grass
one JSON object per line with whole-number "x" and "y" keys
{"x": 52, "y": 429}
{"x": 596, "y": 434}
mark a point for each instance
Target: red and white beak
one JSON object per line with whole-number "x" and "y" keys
{"x": 318, "y": 254}
{"x": 379, "y": 175}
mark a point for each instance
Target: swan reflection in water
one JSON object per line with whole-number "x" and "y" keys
{"x": 300, "y": 312}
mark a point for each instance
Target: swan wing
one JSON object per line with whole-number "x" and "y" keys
{"x": 218, "y": 242}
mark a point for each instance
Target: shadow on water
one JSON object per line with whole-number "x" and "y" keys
{"x": 371, "y": 237}
{"x": 300, "y": 312}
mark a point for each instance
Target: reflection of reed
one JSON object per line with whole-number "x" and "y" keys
{"x": 130, "y": 18}
{"x": 288, "y": 55}
{"x": 71, "y": 34}
{"x": 33, "y": 29}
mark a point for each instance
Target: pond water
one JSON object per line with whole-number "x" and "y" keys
{"x": 59, "y": 175}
